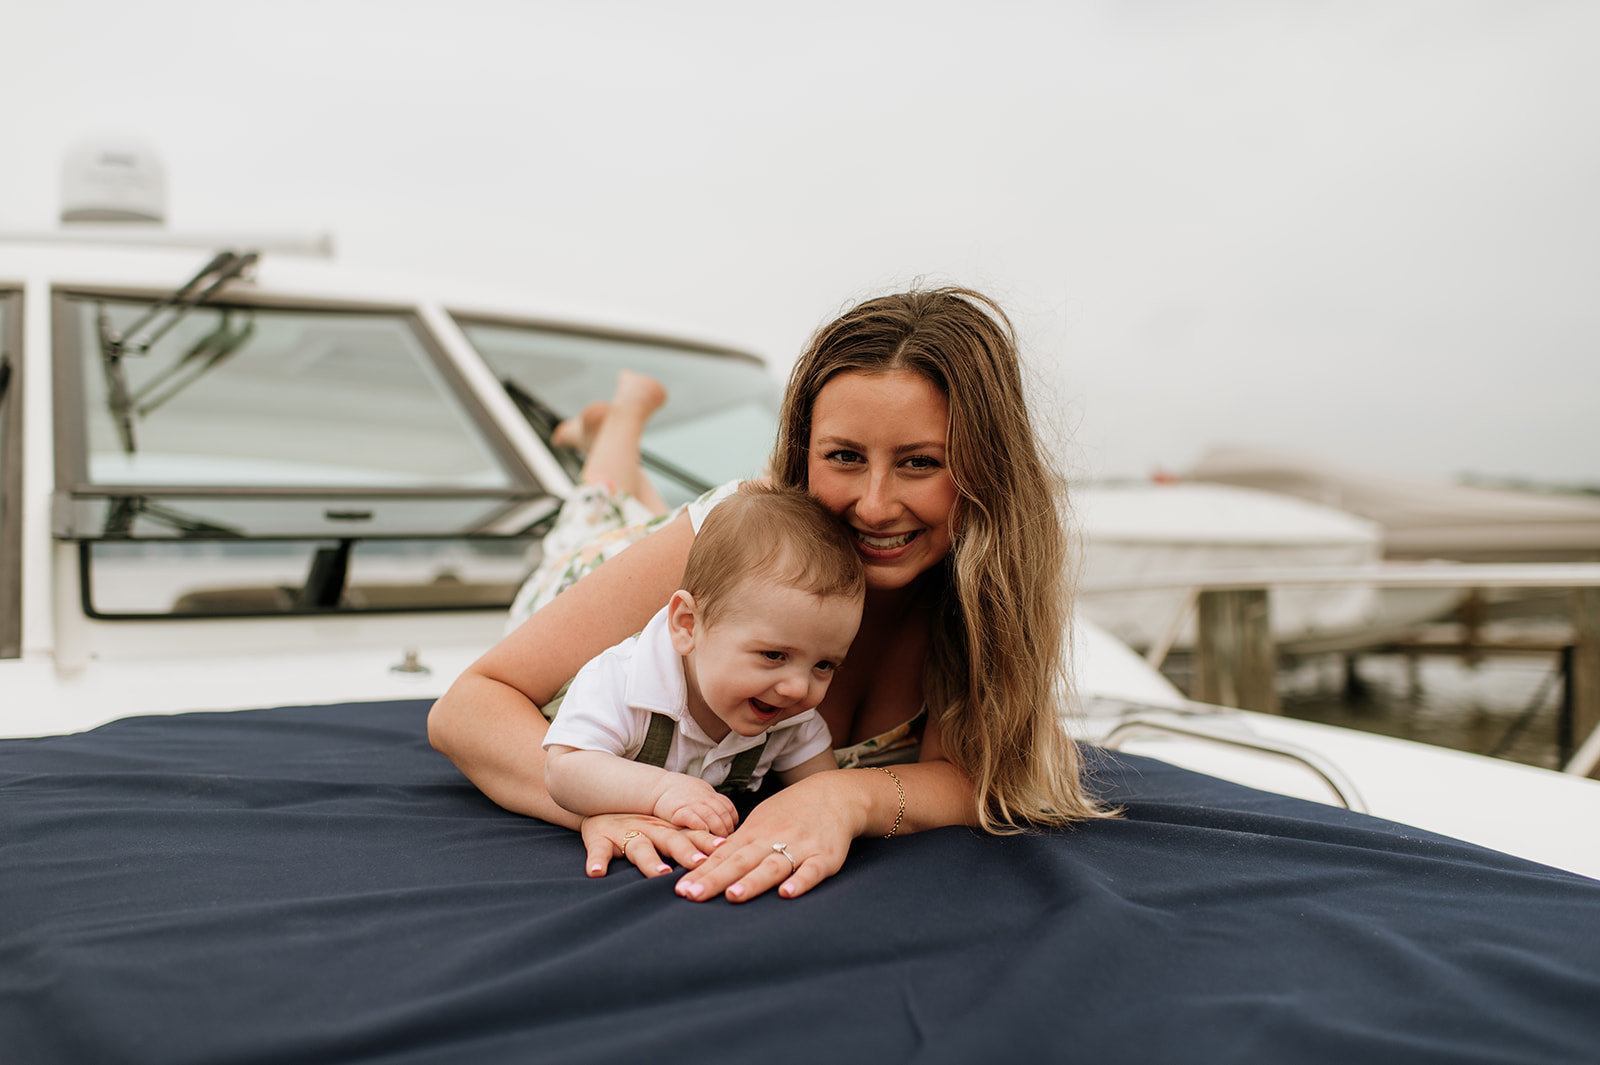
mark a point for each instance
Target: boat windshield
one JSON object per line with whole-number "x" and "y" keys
{"x": 262, "y": 396}
{"x": 718, "y": 423}
{"x": 243, "y": 459}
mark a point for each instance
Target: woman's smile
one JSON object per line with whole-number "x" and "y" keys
{"x": 887, "y": 543}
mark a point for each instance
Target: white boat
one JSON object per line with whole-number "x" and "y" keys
{"x": 231, "y": 480}
{"x": 1146, "y": 530}
{"x": 311, "y": 485}
{"x": 1421, "y": 519}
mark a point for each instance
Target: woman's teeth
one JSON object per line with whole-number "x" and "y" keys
{"x": 886, "y": 543}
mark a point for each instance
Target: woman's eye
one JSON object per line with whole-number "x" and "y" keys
{"x": 922, "y": 463}
{"x": 844, "y": 457}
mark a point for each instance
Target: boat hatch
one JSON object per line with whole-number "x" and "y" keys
{"x": 220, "y": 457}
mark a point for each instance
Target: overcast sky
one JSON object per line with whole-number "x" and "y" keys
{"x": 1364, "y": 232}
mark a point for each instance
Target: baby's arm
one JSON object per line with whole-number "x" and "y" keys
{"x": 598, "y": 782}
{"x": 815, "y": 764}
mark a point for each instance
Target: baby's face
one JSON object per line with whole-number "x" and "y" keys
{"x": 770, "y": 655}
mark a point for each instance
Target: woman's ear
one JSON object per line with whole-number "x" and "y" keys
{"x": 682, "y": 623}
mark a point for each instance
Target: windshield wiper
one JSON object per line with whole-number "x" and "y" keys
{"x": 207, "y": 354}
{"x": 225, "y": 266}
{"x": 544, "y": 421}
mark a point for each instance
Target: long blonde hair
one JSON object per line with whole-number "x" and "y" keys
{"x": 994, "y": 675}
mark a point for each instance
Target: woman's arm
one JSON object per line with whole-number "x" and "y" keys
{"x": 489, "y": 723}
{"x": 816, "y": 818}
{"x": 810, "y": 767}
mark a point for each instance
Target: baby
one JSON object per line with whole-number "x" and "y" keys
{"x": 721, "y": 684}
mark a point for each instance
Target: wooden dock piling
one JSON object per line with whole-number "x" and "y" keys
{"x": 1583, "y": 674}
{"x": 1236, "y": 662}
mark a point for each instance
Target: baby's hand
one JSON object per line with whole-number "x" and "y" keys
{"x": 690, "y": 802}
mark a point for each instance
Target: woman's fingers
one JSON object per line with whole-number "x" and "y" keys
{"x": 639, "y": 849}
{"x": 808, "y": 876}
{"x": 768, "y": 874}
{"x": 600, "y": 851}
{"x": 686, "y": 848}
{"x": 805, "y": 824}
{"x": 643, "y": 841}
{"x": 724, "y": 868}
{"x": 750, "y": 869}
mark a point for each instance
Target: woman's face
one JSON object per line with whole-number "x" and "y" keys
{"x": 879, "y": 459}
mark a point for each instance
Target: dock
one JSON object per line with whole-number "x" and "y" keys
{"x": 1236, "y": 658}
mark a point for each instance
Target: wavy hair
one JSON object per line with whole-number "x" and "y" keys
{"x": 994, "y": 675}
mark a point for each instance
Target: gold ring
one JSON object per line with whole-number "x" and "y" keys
{"x": 783, "y": 849}
{"x": 632, "y": 833}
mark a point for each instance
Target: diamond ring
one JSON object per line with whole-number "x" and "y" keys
{"x": 783, "y": 849}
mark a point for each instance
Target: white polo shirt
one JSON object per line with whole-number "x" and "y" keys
{"x": 609, "y": 704}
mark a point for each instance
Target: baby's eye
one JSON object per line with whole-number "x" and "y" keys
{"x": 826, "y": 667}
{"x": 772, "y": 656}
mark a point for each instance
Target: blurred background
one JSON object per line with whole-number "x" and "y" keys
{"x": 1366, "y": 233}
{"x": 1345, "y": 251}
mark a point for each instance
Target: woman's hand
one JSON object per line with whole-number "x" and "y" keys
{"x": 814, "y": 819}
{"x": 643, "y": 841}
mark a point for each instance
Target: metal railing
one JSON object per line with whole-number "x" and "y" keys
{"x": 1330, "y": 774}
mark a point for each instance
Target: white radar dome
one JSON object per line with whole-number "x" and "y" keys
{"x": 113, "y": 180}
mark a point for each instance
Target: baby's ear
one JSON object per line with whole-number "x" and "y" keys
{"x": 683, "y": 624}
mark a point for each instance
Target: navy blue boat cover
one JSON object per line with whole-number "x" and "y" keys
{"x": 316, "y": 885}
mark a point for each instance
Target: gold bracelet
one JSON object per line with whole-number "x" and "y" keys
{"x": 899, "y": 788}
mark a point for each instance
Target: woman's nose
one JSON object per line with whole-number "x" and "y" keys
{"x": 877, "y": 505}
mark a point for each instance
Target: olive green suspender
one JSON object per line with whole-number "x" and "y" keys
{"x": 658, "y": 741}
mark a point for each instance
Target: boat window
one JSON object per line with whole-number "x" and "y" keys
{"x": 243, "y": 460}
{"x": 261, "y": 396}
{"x": 719, "y": 421}
{"x": 10, "y": 475}
{"x": 242, "y": 578}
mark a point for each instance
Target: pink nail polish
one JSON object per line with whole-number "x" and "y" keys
{"x": 663, "y": 868}
{"x": 697, "y": 857}
{"x": 736, "y": 892}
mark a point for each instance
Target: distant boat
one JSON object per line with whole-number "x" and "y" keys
{"x": 1423, "y": 520}
{"x": 1149, "y": 530}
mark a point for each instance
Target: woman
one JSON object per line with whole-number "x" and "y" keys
{"x": 906, "y": 418}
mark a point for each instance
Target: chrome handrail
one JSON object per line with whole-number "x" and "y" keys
{"x": 1337, "y": 782}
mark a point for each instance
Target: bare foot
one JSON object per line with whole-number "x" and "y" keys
{"x": 639, "y": 391}
{"x": 579, "y": 433}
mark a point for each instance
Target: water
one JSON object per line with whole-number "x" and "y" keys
{"x": 1504, "y": 705}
